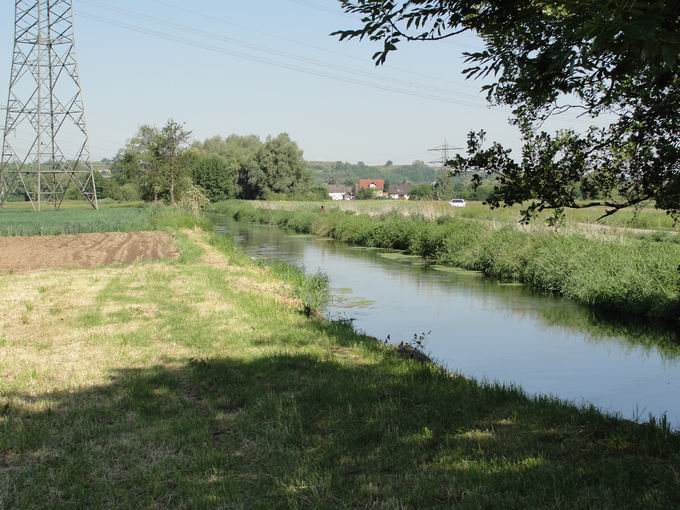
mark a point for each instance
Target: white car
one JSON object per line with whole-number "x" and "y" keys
{"x": 458, "y": 202}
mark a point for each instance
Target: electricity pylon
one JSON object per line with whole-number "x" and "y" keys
{"x": 444, "y": 150}
{"x": 45, "y": 146}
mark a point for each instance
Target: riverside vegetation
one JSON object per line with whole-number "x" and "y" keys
{"x": 625, "y": 274}
{"x": 200, "y": 383}
{"x": 628, "y": 222}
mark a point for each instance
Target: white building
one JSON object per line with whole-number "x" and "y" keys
{"x": 338, "y": 193}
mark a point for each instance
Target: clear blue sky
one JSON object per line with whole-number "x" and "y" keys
{"x": 132, "y": 78}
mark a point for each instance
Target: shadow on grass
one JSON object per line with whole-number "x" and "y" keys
{"x": 291, "y": 430}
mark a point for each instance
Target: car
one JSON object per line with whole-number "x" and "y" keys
{"x": 458, "y": 202}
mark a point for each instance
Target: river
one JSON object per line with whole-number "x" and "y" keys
{"x": 486, "y": 329}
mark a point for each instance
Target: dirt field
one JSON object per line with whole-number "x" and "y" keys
{"x": 20, "y": 254}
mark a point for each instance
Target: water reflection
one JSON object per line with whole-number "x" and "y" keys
{"x": 492, "y": 331}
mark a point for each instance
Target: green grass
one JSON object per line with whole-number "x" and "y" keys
{"x": 630, "y": 275}
{"x": 77, "y": 218}
{"x": 201, "y": 385}
{"x": 647, "y": 218}
{"x": 72, "y": 204}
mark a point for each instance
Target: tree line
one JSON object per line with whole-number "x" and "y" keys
{"x": 164, "y": 164}
{"x": 341, "y": 172}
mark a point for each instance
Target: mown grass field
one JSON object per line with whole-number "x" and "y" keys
{"x": 199, "y": 383}
{"x": 624, "y": 274}
{"x": 647, "y": 218}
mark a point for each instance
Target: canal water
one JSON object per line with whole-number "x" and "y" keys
{"x": 489, "y": 330}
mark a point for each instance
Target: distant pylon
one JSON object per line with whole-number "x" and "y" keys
{"x": 444, "y": 150}
{"x": 45, "y": 146}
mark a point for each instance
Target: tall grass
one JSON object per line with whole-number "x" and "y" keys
{"x": 72, "y": 221}
{"x": 647, "y": 218}
{"x": 629, "y": 275}
{"x": 313, "y": 291}
{"x": 15, "y": 222}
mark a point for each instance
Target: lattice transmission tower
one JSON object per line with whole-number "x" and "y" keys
{"x": 45, "y": 146}
{"x": 444, "y": 151}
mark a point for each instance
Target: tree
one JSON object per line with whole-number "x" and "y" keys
{"x": 155, "y": 162}
{"x": 162, "y": 165}
{"x": 239, "y": 152}
{"x": 444, "y": 188}
{"x": 217, "y": 175}
{"x": 171, "y": 158}
{"x": 365, "y": 194}
{"x": 102, "y": 185}
{"x": 273, "y": 167}
{"x": 278, "y": 167}
{"x": 422, "y": 192}
{"x": 135, "y": 162}
{"x": 547, "y": 57}
{"x": 234, "y": 148}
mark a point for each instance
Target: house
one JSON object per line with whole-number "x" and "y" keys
{"x": 375, "y": 185}
{"x": 338, "y": 193}
{"x": 400, "y": 191}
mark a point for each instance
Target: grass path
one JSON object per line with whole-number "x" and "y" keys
{"x": 198, "y": 384}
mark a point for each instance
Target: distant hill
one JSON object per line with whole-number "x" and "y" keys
{"x": 339, "y": 172}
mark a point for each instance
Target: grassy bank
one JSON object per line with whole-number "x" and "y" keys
{"x": 200, "y": 384}
{"x": 647, "y": 218}
{"x": 79, "y": 219}
{"x": 627, "y": 275}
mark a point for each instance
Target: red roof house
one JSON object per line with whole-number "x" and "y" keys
{"x": 378, "y": 185}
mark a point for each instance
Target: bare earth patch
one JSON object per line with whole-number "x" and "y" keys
{"x": 20, "y": 254}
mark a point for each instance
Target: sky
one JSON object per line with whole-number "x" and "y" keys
{"x": 269, "y": 66}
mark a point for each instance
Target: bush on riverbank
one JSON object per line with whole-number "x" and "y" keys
{"x": 629, "y": 275}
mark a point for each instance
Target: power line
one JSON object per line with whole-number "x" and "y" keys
{"x": 63, "y": 141}
{"x": 313, "y": 5}
{"x": 283, "y": 65}
{"x": 444, "y": 150}
{"x": 262, "y": 60}
{"x": 293, "y": 56}
{"x": 312, "y": 46}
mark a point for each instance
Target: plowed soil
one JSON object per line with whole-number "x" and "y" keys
{"x": 20, "y": 254}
